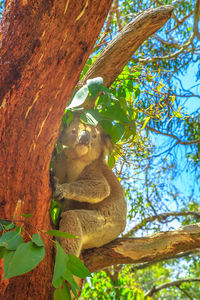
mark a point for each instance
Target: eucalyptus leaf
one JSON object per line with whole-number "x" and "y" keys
{"x": 91, "y": 117}
{"x": 95, "y": 86}
{"x": 107, "y": 126}
{"x": 76, "y": 266}
{"x": 69, "y": 277}
{"x": 7, "y": 257}
{"x": 60, "y": 265}
{"x": 26, "y": 257}
{"x": 117, "y": 132}
{"x": 62, "y": 293}
{"x": 11, "y": 240}
{"x": 62, "y": 234}
{"x": 9, "y": 226}
{"x": 79, "y": 97}
{"x": 27, "y": 215}
{"x": 37, "y": 240}
{"x": 115, "y": 113}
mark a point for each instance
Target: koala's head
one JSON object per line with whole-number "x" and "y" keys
{"x": 84, "y": 141}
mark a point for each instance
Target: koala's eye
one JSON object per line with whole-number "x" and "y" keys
{"x": 73, "y": 131}
{"x": 94, "y": 136}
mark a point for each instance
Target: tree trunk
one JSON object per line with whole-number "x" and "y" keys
{"x": 44, "y": 46}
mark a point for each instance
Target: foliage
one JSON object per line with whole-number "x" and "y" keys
{"x": 104, "y": 286}
{"x": 21, "y": 257}
{"x": 159, "y": 168}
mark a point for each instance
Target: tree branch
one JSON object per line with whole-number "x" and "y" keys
{"x": 146, "y": 249}
{"x": 116, "y": 55}
{"x": 176, "y": 283}
{"x": 142, "y": 266}
{"x": 196, "y": 19}
{"x": 173, "y": 136}
{"x": 160, "y": 217}
{"x": 170, "y": 56}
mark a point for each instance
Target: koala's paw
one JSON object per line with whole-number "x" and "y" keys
{"x": 58, "y": 190}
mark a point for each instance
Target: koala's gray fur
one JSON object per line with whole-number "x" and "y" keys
{"x": 93, "y": 203}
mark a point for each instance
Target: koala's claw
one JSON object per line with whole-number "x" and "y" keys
{"x": 58, "y": 192}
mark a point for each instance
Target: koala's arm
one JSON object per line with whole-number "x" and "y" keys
{"x": 86, "y": 190}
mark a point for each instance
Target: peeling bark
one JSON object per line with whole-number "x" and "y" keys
{"x": 138, "y": 250}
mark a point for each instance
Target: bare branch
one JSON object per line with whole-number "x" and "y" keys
{"x": 197, "y": 19}
{"x": 181, "y": 255}
{"x": 115, "y": 56}
{"x": 160, "y": 217}
{"x": 184, "y": 292}
{"x": 173, "y": 136}
{"x": 170, "y": 56}
{"x": 146, "y": 249}
{"x": 176, "y": 283}
{"x": 116, "y": 7}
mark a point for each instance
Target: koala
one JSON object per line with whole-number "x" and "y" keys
{"x": 91, "y": 197}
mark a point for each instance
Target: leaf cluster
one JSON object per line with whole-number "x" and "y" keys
{"x": 20, "y": 257}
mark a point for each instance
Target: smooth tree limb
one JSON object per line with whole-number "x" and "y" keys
{"x": 145, "y": 249}
{"x": 110, "y": 63}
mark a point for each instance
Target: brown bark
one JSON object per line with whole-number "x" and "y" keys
{"x": 138, "y": 250}
{"x": 44, "y": 46}
{"x": 119, "y": 51}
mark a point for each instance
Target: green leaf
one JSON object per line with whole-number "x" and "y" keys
{"x": 11, "y": 240}
{"x": 2, "y": 252}
{"x": 68, "y": 117}
{"x": 55, "y": 214}
{"x": 115, "y": 113}
{"x": 60, "y": 265}
{"x": 7, "y": 258}
{"x": 37, "y": 240}
{"x": 77, "y": 267}
{"x": 111, "y": 160}
{"x": 26, "y": 257}
{"x": 95, "y": 86}
{"x": 79, "y": 97}
{"x": 107, "y": 126}
{"x": 5, "y": 224}
{"x": 136, "y": 91}
{"x": 91, "y": 117}
{"x": 62, "y": 234}
{"x": 108, "y": 93}
{"x": 132, "y": 126}
{"x": 117, "y": 132}
{"x": 62, "y": 293}
{"x": 27, "y": 215}
{"x": 69, "y": 277}
{"x": 9, "y": 226}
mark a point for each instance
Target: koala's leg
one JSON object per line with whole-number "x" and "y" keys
{"x": 70, "y": 223}
{"x": 93, "y": 229}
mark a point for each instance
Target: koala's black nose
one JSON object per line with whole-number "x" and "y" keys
{"x": 84, "y": 137}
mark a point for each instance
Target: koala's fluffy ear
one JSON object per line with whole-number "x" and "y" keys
{"x": 108, "y": 146}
